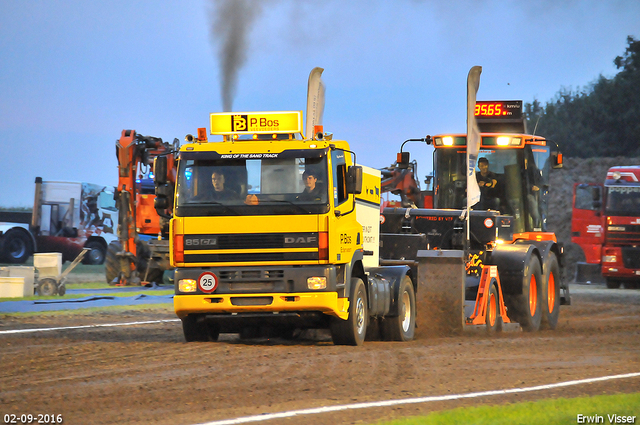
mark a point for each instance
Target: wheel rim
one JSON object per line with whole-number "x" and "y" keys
{"x": 492, "y": 310}
{"x": 95, "y": 256}
{"x": 360, "y": 319}
{"x": 533, "y": 295}
{"x": 551, "y": 296}
{"x": 17, "y": 248}
{"x": 406, "y": 311}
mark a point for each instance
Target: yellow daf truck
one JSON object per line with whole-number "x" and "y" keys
{"x": 273, "y": 231}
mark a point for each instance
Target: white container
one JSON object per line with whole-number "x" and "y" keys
{"x": 49, "y": 264}
{"x": 11, "y": 287}
{"x": 28, "y": 274}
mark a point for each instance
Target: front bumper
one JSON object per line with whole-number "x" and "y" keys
{"x": 324, "y": 302}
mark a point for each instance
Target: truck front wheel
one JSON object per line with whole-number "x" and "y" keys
{"x": 613, "y": 283}
{"x": 196, "y": 328}
{"x": 17, "y": 247}
{"x": 402, "y": 327}
{"x": 353, "y": 330}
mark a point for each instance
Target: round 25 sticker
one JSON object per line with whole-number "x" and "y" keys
{"x": 208, "y": 282}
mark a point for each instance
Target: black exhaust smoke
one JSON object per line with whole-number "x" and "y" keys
{"x": 231, "y": 22}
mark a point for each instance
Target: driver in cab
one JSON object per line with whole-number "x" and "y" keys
{"x": 219, "y": 192}
{"x": 487, "y": 181}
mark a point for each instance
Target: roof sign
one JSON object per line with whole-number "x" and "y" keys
{"x": 227, "y": 123}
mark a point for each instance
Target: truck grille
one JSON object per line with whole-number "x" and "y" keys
{"x": 250, "y": 275}
{"x": 254, "y": 241}
{"x": 630, "y": 235}
{"x": 247, "y": 247}
{"x": 631, "y": 257}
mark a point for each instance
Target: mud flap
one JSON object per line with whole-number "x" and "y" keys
{"x": 440, "y": 293}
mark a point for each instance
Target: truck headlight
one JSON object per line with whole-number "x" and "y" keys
{"x": 317, "y": 282}
{"x": 609, "y": 259}
{"x": 187, "y": 285}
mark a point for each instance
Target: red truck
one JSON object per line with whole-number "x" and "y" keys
{"x": 606, "y": 225}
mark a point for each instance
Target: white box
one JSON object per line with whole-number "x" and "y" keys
{"x": 28, "y": 274}
{"x": 49, "y": 264}
{"x": 11, "y": 287}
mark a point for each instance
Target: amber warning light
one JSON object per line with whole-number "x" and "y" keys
{"x": 227, "y": 123}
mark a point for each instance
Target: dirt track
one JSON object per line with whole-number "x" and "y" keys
{"x": 148, "y": 374}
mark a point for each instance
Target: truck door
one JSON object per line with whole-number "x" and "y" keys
{"x": 587, "y": 220}
{"x": 343, "y": 227}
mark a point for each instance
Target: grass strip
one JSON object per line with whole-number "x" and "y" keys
{"x": 597, "y": 409}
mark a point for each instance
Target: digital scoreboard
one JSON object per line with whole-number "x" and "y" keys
{"x": 499, "y": 109}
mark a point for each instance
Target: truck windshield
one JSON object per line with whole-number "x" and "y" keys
{"x": 520, "y": 189}
{"x": 623, "y": 200}
{"x": 293, "y": 182}
{"x": 452, "y": 179}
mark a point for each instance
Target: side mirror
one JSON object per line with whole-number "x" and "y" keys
{"x": 160, "y": 203}
{"x": 595, "y": 195}
{"x": 354, "y": 179}
{"x": 160, "y": 170}
{"x": 403, "y": 160}
{"x": 557, "y": 160}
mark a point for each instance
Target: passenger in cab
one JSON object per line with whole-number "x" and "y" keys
{"x": 312, "y": 191}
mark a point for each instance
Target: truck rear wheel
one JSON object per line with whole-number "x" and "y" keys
{"x": 526, "y": 307}
{"x": 353, "y": 330}
{"x": 17, "y": 247}
{"x": 196, "y": 328}
{"x": 551, "y": 293}
{"x": 402, "y": 327}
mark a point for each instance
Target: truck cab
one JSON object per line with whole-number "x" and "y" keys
{"x": 606, "y": 225}
{"x": 271, "y": 230}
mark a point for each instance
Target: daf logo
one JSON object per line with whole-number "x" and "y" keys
{"x": 300, "y": 239}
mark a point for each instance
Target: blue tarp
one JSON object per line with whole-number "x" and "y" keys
{"x": 102, "y": 300}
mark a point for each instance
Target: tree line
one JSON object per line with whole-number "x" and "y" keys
{"x": 601, "y": 120}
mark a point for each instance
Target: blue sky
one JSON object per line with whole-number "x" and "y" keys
{"x": 74, "y": 74}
